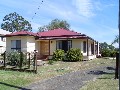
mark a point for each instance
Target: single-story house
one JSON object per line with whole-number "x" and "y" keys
{"x": 48, "y": 41}
{"x": 3, "y": 40}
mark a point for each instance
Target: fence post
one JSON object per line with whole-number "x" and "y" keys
{"x": 29, "y": 60}
{"x": 35, "y": 61}
{"x": 21, "y": 59}
{"x": 4, "y": 58}
{"x": 117, "y": 64}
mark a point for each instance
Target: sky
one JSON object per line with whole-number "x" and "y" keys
{"x": 95, "y": 18}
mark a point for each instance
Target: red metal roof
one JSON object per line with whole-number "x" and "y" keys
{"x": 51, "y": 34}
{"x": 57, "y": 32}
{"x": 22, "y": 33}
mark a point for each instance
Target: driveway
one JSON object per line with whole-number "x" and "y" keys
{"x": 71, "y": 81}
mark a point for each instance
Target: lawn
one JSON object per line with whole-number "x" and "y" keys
{"x": 105, "y": 82}
{"x": 13, "y": 80}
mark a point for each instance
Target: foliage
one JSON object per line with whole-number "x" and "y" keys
{"x": 105, "y": 53}
{"x": 108, "y": 53}
{"x": 50, "y": 62}
{"x": 16, "y": 58}
{"x": 14, "y": 22}
{"x": 116, "y": 40}
{"x": 74, "y": 54}
{"x": 54, "y": 24}
{"x": 104, "y": 45}
{"x": 113, "y": 53}
{"x": 58, "y": 55}
{"x": 107, "y": 50}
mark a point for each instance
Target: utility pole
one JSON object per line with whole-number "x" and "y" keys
{"x": 119, "y": 44}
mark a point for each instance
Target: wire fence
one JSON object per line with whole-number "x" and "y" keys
{"x": 19, "y": 61}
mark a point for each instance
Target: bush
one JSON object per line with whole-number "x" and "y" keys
{"x": 105, "y": 53}
{"x": 50, "y": 62}
{"x": 74, "y": 54}
{"x": 58, "y": 55}
{"x": 108, "y": 53}
{"x": 15, "y": 58}
{"x": 113, "y": 53}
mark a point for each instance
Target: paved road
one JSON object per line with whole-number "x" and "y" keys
{"x": 71, "y": 81}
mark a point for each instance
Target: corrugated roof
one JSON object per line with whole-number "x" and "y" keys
{"x": 23, "y": 33}
{"x": 58, "y": 32}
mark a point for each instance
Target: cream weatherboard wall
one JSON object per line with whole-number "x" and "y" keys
{"x": 32, "y": 44}
{"x": 52, "y": 46}
{"x": 28, "y": 43}
{"x": 76, "y": 43}
{"x": 23, "y": 43}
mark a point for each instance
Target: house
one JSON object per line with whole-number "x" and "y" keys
{"x": 47, "y": 42}
{"x": 3, "y": 41}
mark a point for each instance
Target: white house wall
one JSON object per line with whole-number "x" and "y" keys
{"x": 31, "y": 44}
{"x": 23, "y": 43}
{"x": 52, "y": 46}
{"x": 78, "y": 43}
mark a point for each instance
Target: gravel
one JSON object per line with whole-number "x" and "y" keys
{"x": 72, "y": 80}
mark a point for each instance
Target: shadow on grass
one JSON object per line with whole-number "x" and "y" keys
{"x": 17, "y": 87}
{"x": 110, "y": 68}
{"x": 106, "y": 75}
{"x": 97, "y": 72}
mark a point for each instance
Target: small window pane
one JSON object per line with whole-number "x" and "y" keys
{"x": 58, "y": 44}
{"x": 69, "y": 44}
{"x": 13, "y": 44}
{"x": 18, "y": 43}
{"x": 84, "y": 46}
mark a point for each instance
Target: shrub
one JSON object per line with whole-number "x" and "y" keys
{"x": 15, "y": 58}
{"x": 74, "y": 54}
{"x": 58, "y": 55}
{"x": 50, "y": 62}
{"x": 113, "y": 53}
{"x": 105, "y": 53}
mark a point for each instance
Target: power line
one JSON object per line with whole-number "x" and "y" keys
{"x": 37, "y": 10}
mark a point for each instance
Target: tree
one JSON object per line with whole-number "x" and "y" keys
{"x": 14, "y": 22}
{"x": 55, "y": 24}
{"x": 116, "y": 40}
{"x": 107, "y": 50}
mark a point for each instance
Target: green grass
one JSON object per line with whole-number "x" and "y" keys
{"x": 105, "y": 82}
{"x": 13, "y": 80}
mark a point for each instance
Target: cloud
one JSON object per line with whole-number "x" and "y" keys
{"x": 84, "y": 7}
{"x": 35, "y": 26}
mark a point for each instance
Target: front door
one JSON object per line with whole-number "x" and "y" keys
{"x": 44, "y": 47}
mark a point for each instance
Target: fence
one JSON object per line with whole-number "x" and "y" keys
{"x": 19, "y": 61}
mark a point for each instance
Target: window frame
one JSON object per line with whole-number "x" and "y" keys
{"x": 84, "y": 47}
{"x": 59, "y": 44}
{"x": 16, "y": 46}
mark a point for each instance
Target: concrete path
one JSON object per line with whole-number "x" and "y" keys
{"x": 71, "y": 81}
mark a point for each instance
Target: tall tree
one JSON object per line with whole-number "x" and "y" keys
{"x": 54, "y": 24}
{"x": 116, "y": 40}
{"x": 14, "y": 22}
{"x": 104, "y": 45}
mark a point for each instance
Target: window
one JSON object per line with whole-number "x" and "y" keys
{"x": 3, "y": 39}
{"x": 84, "y": 46}
{"x": 16, "y": 45}
{"x": 58, "y": 44}
{"x": 64, "y": 44}
{"x": 92, "y": 49}
{"x": 69, "y": 44}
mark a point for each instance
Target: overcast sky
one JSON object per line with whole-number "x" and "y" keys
{"x": 96, "y": 18}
